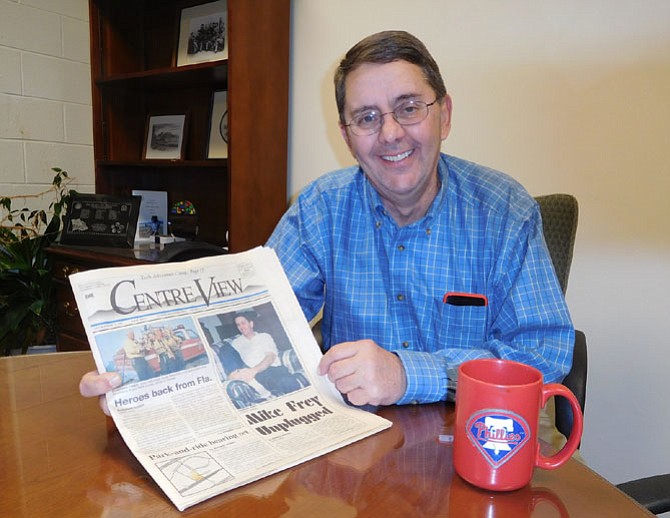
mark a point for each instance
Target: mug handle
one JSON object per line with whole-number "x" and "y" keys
{"x": 556, "y": 460}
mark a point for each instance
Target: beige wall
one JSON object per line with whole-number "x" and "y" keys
{"x": 45, "y": 95}
{"x": 567, "y": 96}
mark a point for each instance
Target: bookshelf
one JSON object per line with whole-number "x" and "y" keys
{"x": 134, "y": 71}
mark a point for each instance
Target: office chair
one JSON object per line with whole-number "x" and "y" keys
{"x": 559, "y": 218}
{"x": 559, "y": 224}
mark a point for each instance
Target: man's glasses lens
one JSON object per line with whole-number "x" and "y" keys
{"x": 406, "y": 114}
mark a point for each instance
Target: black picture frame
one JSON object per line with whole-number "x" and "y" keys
{"x": 165, "y": 137}
{"x": 203, "y": 33}
{"x": 101, "y": 220}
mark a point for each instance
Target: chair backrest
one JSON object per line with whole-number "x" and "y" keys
{"x": 559, "y": 222}
{"x": 559, "y": 219}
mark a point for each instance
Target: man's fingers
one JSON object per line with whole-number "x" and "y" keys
{"x": 336, "y": 353}
{"x": 345, "y": 384}
{"x": 103, "y": 405}
{"x": 359, "y": 397}
{"x": 95, "y": 384}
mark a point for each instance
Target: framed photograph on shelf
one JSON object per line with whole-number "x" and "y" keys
{"x": 203, "y": 33}
{"x": 165, "y": 136}
{"x": 218, "y": 129}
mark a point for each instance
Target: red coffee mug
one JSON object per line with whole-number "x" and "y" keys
{"x": 497, "y": 418}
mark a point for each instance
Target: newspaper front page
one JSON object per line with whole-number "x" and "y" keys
{"x": 219, "y": 368}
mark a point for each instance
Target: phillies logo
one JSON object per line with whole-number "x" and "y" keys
{"x": 497, "y": 434}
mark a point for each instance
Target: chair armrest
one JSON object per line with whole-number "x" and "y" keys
{"x": 653, "y": 493}
{"x": 576, "y": 382}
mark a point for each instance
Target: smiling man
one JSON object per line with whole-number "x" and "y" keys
{"x": 419, "y": 260}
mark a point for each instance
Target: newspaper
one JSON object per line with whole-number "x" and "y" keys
{"x": 219, "y": 368}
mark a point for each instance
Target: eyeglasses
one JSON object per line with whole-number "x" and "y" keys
{"x": 406, "y": 113}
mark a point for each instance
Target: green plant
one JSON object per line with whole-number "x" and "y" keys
{"x": 27, "y": 301}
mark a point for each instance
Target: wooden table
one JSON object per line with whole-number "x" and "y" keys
{"x": 60, "y": 456}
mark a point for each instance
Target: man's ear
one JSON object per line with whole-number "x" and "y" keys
{"x": 445, "y": 114}
{"x": 345, "y": 136}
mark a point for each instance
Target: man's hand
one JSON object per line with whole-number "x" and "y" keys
{"x": 94, "y": 384}
{"x": 365, "y": 373}
{"x": 245, "y": 374}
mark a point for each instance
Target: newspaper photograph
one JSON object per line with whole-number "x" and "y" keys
{"x": 219, "y": 368}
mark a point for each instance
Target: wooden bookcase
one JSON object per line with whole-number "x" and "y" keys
{"x": 134, "y": 74}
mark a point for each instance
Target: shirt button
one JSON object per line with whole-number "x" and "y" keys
{"x": 427, "y": 231}
{"x": 400, "y": 297}
{"x": 378, "y": 224}
{"x": 401, "y": 248}
{"x": 405, "y": 345}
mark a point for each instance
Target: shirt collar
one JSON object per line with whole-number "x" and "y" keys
{"x": 379, "y": 212}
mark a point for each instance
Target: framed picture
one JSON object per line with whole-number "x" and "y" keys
{"x": 165, "y": 137}
{"x": 203, "y": 31}
{"x": 101, "y": 220}
{"x": 218, "y": 129}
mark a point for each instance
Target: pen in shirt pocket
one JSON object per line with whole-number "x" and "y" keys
{"x": 465, "y": 299}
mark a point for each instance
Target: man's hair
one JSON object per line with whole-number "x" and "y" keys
{"x": 386, "y": 47}
{"x": 249, "y": 315}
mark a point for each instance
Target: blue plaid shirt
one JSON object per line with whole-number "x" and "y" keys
{"x": 482, "y": 235}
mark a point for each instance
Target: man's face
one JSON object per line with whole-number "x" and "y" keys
{"x": 244, "y": 326}
{"x": 400, "y": 161}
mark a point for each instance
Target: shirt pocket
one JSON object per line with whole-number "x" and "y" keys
{"x": 461, "y": 326}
